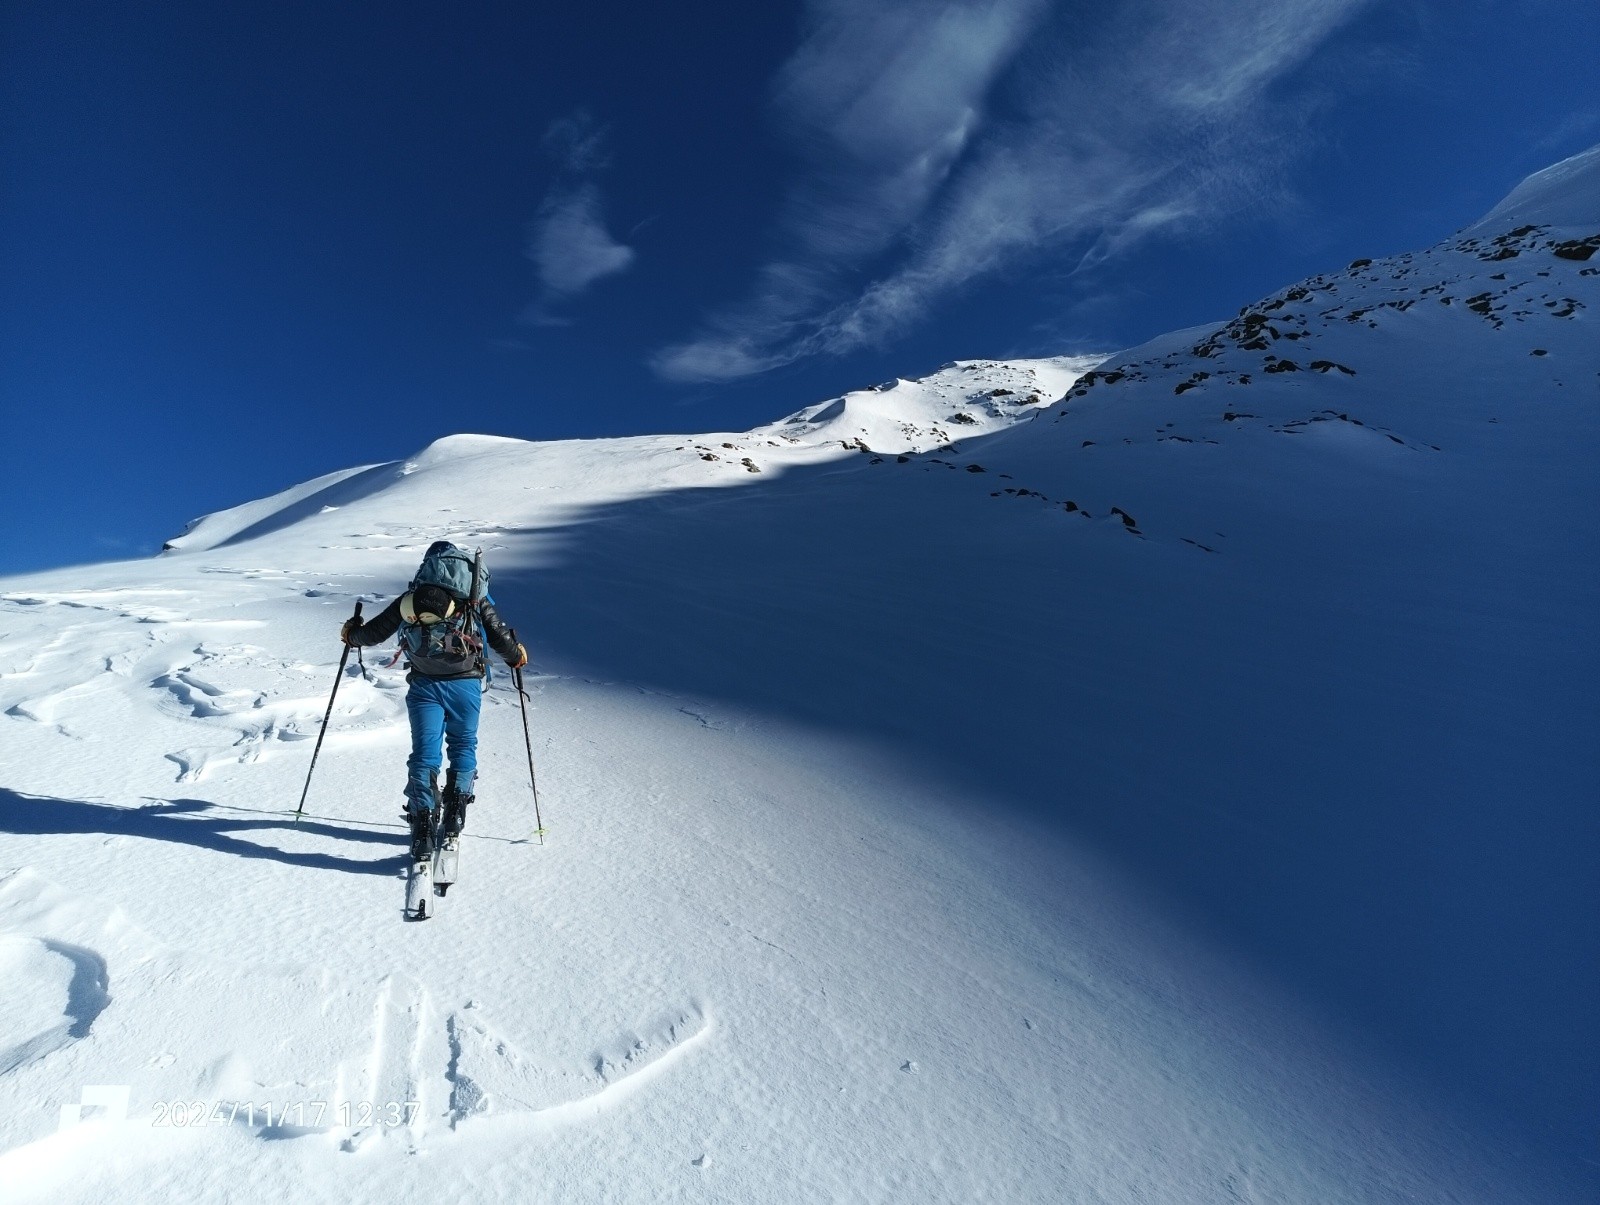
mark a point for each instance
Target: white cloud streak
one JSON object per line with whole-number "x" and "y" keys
{"x": 881, "y": 100}
{"x": 1151, "y": 121}
{"x": 567, "y": 239}
{"x": 569, "y": 244}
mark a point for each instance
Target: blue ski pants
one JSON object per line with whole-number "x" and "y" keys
{"x": 442, "y": 710}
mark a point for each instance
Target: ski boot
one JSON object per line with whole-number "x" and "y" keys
{"x": 421, "y": 834}
{"x": 457, "y": 795}
{"x": 422, "y": 795}
{"x": 455, "y": 812}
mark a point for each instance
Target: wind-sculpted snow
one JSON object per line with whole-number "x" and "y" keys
{"x": 369, "y": 1060}
{"x": 1170, "y": 783}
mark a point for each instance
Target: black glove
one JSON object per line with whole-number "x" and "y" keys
{"x": 519, "y": 660}
{"x": 347, "y": 633}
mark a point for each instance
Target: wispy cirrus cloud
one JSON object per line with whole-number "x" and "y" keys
{"x": 1149, "y": 119}
{"x": 567, "y": 239}
{"x": 879, "y": 102}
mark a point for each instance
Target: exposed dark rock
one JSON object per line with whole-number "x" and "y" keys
{"x": 1579, "y": 248}
{"x": 976, "y": 468}
{"x": 1283, "y": 366}
{"x": 1110, "y": 377}
{"x": 1359, "y": 263}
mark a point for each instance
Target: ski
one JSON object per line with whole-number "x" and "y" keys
{"x": 444, "y": 864}
{"x": 417, "y": 881}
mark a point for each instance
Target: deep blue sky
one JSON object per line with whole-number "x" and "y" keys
{"x": 246, "y": 244}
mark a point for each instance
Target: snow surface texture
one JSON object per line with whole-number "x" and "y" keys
{"x": 1171, "y": 783}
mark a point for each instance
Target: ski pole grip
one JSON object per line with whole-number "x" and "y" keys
{"x": 358, "y": 608}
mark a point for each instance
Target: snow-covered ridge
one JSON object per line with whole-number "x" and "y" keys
{"x": 1298, "y": 328}
{"x": 1563, "y": 194}
{"x": 961, "y": 400}
{"x": 287, "y": 506}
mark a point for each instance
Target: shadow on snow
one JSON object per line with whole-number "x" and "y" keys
{"x": 193, "y": 822}
{"x": 1324, "y": 763}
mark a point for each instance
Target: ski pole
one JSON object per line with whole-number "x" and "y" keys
{"x": 343, "y": 657}
{"x": 522, "y": 698}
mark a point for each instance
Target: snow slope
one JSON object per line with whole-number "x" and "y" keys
{"x": 1181, "y": 791}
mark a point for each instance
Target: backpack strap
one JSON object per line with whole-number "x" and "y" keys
{"x": 475, "y": 619}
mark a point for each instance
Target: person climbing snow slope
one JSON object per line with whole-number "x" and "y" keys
{"x": 443, "y": 620}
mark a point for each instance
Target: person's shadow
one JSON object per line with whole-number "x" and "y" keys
{"x": 196, "y": 822}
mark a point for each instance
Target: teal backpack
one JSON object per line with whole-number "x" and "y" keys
{"x": 453, "y": 647}
{"x": 452, "y": 568}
